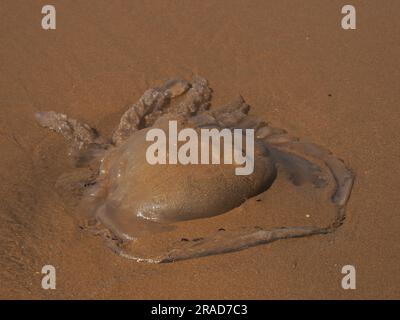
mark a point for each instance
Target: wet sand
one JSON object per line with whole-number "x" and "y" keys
{"x": 293, "y": 64}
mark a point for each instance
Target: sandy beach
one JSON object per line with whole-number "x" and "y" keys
{"x": 295, "y": 66}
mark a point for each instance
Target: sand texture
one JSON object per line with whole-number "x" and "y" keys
{"x": 294, "y": 65}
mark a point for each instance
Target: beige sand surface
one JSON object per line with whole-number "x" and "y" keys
{"x": 290, "y": 60}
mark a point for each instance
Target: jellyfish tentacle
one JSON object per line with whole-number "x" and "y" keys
{"x": 197, "y": 98}
{"x": 231, "y": 115}
{"x": 311, "y": 162}
{"x": 342, "y": 175}
{"x": 228, "y": 116}
{"x": 151, "y": 103}
{"x": 78, "y": 133}
{"x": 85, "y": 142}
{"x": 236, "y": 240}
{"x": 114, "y": 246}
{"x": 220, "y": 243}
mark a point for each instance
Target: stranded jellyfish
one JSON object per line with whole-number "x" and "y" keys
{"x": 125, "y": 198}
